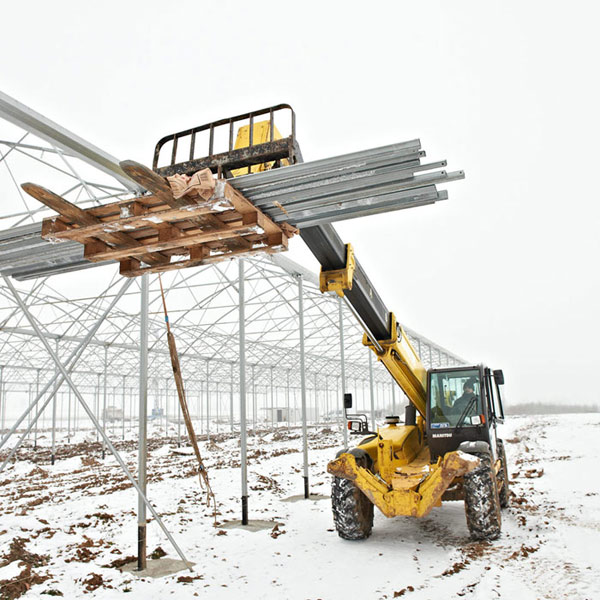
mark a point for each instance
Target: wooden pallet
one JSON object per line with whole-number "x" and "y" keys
{"x": 157, "y": 232}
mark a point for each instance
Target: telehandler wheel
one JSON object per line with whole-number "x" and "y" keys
{"x": 502, "y": 476}
{"x": 352, "y": 510}
{"x": 482, "y": 504}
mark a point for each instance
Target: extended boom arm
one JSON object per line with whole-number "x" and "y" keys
{"x": 340, "y": 272}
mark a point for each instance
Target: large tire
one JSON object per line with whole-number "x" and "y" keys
{"x": 352, "y": 510}
{"x": 482, "y": 504}
{"x": 502, "y": 476}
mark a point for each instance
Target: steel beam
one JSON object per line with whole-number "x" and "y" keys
{"x": 17, "y": 113}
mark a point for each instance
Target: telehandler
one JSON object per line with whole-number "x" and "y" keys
{"x": 447, "y": 447}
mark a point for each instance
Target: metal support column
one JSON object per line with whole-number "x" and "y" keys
{"x": 53, "y": 451}
{"x": 231, "y": 398}
{"x": 37, "y": 395}
{"x": 207, "y": 402}
{"x": 123, "y": 410}
{"x": 2, "y": 399}
{"x": 243, "y": 435}
{"x": 143, "y": 420}
{"x": 272, "y": 402}
{"x": 303, "y": 381}
{"x": 104, "y": 398}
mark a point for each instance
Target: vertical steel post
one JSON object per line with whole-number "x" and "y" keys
{"x": 98, "y": 404}
{"x": 53, "y": 451}
{"x": 272, "y": 402}
{"x": 207, "y": 402}
{"x": 37, "y": 394}
{"x": 104, "y": 398}
{"x": 231, "y": 398}
{"x": 287, "y": 399}
{"x": 217, "y": 410}
{"x": 343, "y": 369}
{"x": 253, "y": 402}
{"x": 393, "y": 385}
{"x": 242, "y": 353}
{"x": 2, "y": 398}
{"x": 123, "y": 410}
{"x": 69, "y": 417}
{"x": 303, "y": 382}
{"x": 143, "y": 418}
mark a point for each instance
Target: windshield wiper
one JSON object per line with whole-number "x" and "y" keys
{"x": 465, "y": 412}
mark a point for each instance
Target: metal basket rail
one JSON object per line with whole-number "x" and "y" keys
{"x": 223, "y": 163}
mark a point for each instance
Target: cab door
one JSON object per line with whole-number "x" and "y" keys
{"x": 490, "y": 406}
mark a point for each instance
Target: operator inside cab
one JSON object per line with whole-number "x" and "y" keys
{"x": 447, "y": 406}
{"x": 468, "y": 394}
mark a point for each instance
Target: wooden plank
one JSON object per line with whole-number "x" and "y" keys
{"x": 146, "y": 219}
{"x": 172, "y": 242}
{"x": 152, "y": 182}
{"x": 244, "y": 206}
{"x": 81, "y": 217}
{"x": 184, "y": 264}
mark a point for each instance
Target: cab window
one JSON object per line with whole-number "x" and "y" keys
{"x": 455, "y": 398}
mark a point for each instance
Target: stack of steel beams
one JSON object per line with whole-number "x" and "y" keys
{"x": 304, "y": 195}
{"x": 348, "y": 186}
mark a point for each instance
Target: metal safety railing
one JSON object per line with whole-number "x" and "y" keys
{"x": 253, "y": 154}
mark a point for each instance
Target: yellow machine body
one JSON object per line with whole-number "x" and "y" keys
{"x": 402, "y": 481}
{"x": 261, "y": 134}
{"x": 339, "y": 280}
{"x": 403, "y": 363}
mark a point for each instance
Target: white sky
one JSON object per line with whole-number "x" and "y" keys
{"x": 505, "y": 271}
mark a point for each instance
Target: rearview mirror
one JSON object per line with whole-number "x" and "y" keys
{"x": 347, "y": 401}
{"x": 499, "y": 377}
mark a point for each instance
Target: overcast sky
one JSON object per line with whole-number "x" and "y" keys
{"x": 505, "y": 272}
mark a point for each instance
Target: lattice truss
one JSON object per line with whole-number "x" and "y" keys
{"x": 202, "y": 303}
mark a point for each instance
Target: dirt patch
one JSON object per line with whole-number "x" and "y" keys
{"x": 403, "y": 591}
{"x": 38, "y": 472}
{"x": 158, "y": 552}
{"x": 104, "y": 517}
{"x": 83, "y": 552}
{"x": 189, "y": 578}
{"x": 266, "y": 483}
{"x": 120, "y": 562}
{"x": 18, "y": 552}
{"x": 23, "y": 582}
{"x": 457, "y": 567}
{"x": 534, "y": 473}
{"x": 93, "y": 581}
{"x": 523, "y": 552}
{"x": 276, "y": 532}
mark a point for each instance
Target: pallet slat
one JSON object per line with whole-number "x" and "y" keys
{"x": 157, "y": 232}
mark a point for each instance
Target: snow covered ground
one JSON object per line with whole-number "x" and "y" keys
{"x": 63, "y": 526}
